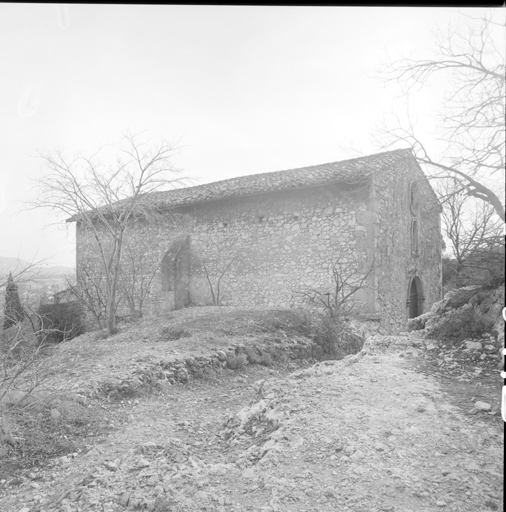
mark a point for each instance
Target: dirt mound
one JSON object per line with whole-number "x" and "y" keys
{"x": 367, "y": 433}
{"x": 146, "y": 357}
{"x": 376, "y": 431}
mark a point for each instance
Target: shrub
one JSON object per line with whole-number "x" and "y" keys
{"x": 483, "y": 268}
{"x": 13, "y": 311}
{"x": 205, "y": 373}
{"x": 322, "y": 330}
{"x": 348, "y": 344}
{"x": 236, "y": 362}
{"x": 36, "y": 433}
{"x": 253, "y": 354}
{"x": 172, "y": 333}
{"x": 331, "y": 337}
{"x": 61, "y": 322}
{"x": 266, "y": 359}
{"x": 449, "y": 271}
{"x": 18, "y": 343}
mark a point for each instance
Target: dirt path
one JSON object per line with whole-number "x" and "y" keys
{"x": 368, "y": 433}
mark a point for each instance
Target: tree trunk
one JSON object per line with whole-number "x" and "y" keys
{"x": 111, "y": 307}
{"x": 111, "y": 316}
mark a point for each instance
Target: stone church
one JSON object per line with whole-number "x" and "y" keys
{"x": 271, "y": 239}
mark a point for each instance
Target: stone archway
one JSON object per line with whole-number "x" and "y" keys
{"x": 415, "y": 297}
{"x": 175, "y": 276}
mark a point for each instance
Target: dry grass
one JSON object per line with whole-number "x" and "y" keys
{"x": 46, "y": 430}
{"x": 36, "y": 433}
{"x": 232, "y": 322}
{"x": 84, "y": 361}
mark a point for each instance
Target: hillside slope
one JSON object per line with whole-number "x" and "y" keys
{"x": 371, "y": 432}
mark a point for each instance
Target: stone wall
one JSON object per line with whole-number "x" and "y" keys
{"x": 399, "y": 261}
{"x": 266, "y": 247}
{"x": 277, "y": 244}
{"x": 263, "y": 250}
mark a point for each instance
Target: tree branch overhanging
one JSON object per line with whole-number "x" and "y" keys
{"x": 106, "y": 195}
{"x": 471, "y": 120}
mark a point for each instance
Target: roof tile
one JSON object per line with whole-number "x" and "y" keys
{"x": 354, "y": 170}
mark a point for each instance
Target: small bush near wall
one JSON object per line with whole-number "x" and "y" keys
{"x": 333, "y": 337}
{"x": 60, "y": 322}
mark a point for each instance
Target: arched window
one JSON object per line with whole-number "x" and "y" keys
{"x": 414, "y": 197}
{"x": 414, "y": 237}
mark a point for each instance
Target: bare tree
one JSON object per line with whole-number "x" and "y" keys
{"x": 337, "y": 298}
{"x": 23, "y": 347}
{"x": 21, "y": 351}
{"x": 24, "y": 368}
{"x": 19, "y": 273}
{"x": 471, "y": 122}
{"x": 474, "y": 235}
{"x": 468, "y": 227}
{"x": 107, "y": 199}
{"x": 88, "y": 288}
{"x": 216, "y": 288}
{"x": 136, "y": 277}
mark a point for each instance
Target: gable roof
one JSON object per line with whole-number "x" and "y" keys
{"x": 354, "y": 171}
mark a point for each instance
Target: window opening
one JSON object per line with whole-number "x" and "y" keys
{"x": 414, "y": 237}
{"x": 414, "y": 197}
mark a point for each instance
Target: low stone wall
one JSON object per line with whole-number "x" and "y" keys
{"x": 181, "y": 371}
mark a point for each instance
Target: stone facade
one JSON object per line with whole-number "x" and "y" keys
{"x": 264, "y": 240}
{"x": 408, "y": 243}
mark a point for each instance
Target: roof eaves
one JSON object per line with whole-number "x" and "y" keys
{"x": 356, "y": 170}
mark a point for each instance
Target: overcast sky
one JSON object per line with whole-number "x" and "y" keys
{"x": 246, "y": 89}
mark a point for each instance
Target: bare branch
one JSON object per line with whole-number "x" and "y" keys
{"x": 346, "y": 281}
{"x": 474, "y": 235}
{"x": 105, "y": 194}
{"x": 471, "y": 122}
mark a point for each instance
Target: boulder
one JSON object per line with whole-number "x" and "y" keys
{"x": 453, "y": 299}
{"x": 418, "y": 323}
{"x": 473, "y": 345}
{"x": 498, "y": 331}
{"x": 482, "y": 406}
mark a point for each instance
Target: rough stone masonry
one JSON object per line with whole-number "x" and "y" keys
{"x": 272, "y": 236}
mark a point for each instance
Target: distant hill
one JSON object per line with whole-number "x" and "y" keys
{"x": 17, "y": 265}
{"x": 12, "y": 263}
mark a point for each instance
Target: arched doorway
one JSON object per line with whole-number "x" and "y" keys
{"x": 415, "y": 297}
{"x": 175, "y": 275}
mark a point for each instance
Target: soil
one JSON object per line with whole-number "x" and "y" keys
{"x": 392, "y": 429}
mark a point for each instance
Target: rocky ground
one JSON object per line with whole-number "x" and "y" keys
{"x": 407, "y": 424}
